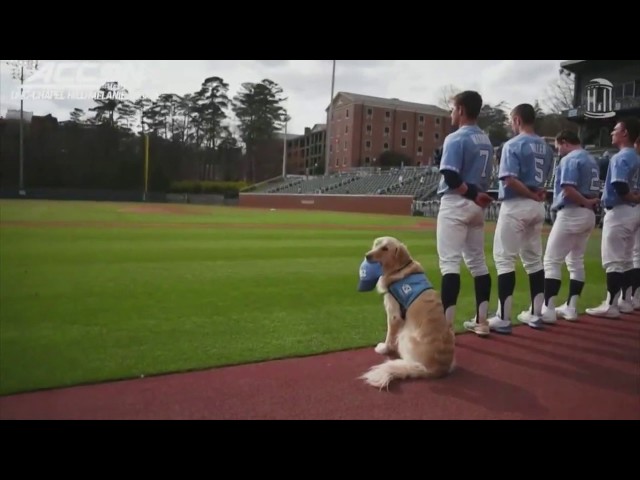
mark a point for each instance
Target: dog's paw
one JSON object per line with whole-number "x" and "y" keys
{"x": 382, "y": 348}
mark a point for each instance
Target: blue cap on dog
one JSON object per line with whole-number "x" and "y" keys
{"x": 370, "y": 272}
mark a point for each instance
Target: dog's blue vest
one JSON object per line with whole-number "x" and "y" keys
{"x": 405, "y": 291}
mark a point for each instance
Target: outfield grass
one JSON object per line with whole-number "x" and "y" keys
{"x": 101, "y": 297}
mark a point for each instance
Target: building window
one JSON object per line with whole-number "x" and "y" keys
{"x": 387, "y": 116}
{"x": 367, "y": 160}
{"x": 421, "y": 119}
{"x": 420, "y": 136}
{"x": 617, "y": 92}
{"x": 386, "y": 131}
{"x": 346, "y": 129}
{"x": 436, "y": 136}
{"x": 419, "y": 151}
{"x": 404, "y": 126}
{"x": 369, "y": 112}
{"x": 337, "y": 162}
{"x": 345, "y": 144}
{"x": 368, "y": 129}
{"x": 403, "y": 142}
{"x": 346, "y": 113}
{"x": 330, "y": 148}
{"x": 627, "y": 90}
{"x": 367, "y": 145}
{"x": 344, "y": 162}
{"x": 437, "y": 120}
{"x": 386, "y": 146}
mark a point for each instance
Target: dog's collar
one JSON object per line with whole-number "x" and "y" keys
{"x": 402, "y": 267}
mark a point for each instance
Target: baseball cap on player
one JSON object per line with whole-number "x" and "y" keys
{"x": 370, "y": 272}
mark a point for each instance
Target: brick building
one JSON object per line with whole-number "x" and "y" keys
{"x": 363, "y": 127}
{"x": 306, "y": 153}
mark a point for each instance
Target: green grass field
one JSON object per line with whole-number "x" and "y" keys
{"x": 96, "y": 291}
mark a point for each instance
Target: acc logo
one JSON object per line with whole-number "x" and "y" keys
{"x": 86, "y": 75}
{"x": 599, "y": 99}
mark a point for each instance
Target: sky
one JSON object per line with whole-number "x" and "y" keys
{"x": 305, "y": 83}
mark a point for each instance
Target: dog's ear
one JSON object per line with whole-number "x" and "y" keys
{"x": 402, "y": 254}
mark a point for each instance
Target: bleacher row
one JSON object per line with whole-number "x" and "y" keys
{"x": 416, "y": 182}
{"x": 419, "y": 182}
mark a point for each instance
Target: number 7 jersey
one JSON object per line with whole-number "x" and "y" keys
{"x": 529, "y": 159}
{"x": 469, "y": 153}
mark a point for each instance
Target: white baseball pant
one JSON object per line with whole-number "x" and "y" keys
{"x": 636, "y": 249}
{"x": 519, "y": 233}
{"x": 619, "y": 231}
{"x": 568, "y": 242}
{"x": 460, "y": 235}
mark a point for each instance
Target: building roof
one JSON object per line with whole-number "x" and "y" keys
{"x": 15, "y": 115}
{"x": 394, "y": 103}
{"x": 290, "y": 136}
{"x": 568, "y": 63}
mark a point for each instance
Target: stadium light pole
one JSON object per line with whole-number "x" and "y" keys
{"x": 329, "y": 113}
{"x": 20, "y": 68}
{"x": 285, "y": 119}
{"x": 145, "y": 135}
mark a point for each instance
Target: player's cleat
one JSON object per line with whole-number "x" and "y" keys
{"x": 498, "y": 325}
{"x": 625, "y": 306}
{"x": 481, "y": 329}
{"x": 604, "y": 310}
{"x": 567, "y": 312}
{"x": 534, "y": 321}
{"x": 548, "y": 315}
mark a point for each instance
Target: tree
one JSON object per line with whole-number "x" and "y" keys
{"x": 445, "y": 93}
{"x": 559, "y": 94}
{"x": 493, "y": 119}
{"x": 213, "y": 100}
{"x": 108, "y": 99}
{"x": 76, "y": 115}
{"x": 142, "y": 106}
{"x": 259, "y": 112}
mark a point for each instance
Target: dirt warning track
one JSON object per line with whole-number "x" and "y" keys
{"x": 589, "y": 369}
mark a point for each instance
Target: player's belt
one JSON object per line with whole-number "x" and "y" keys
{"x": 580, "y": 206}
{"x": 630, "y": 204}
{"x": 574, "y": 205}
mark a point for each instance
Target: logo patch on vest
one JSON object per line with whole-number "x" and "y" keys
{"x": 405, "y": 291}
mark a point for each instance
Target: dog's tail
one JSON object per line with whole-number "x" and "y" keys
{"x": 381, "y": 375}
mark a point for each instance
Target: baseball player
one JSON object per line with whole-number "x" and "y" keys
{"x": 575, "y": 194}
{"x": 635, "y": 273}
{"x": 622, "y": 219}
{"x": 525, "y": 165}
{"x": 466, "y": 167}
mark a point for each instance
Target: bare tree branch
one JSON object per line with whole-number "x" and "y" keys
{"x": 445, "y": 93}
{"x": 559, "y": 94}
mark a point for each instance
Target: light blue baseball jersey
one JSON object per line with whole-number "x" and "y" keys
{"x": 580, "y": 170}
{"x": 635, "y": 185}
{"x": 529, "y": 159}
{"x": 468, "y": 152}
{"x": 624, "y": 167}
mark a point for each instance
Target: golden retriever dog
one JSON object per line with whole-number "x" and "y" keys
{"x": 422, "y": 338}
